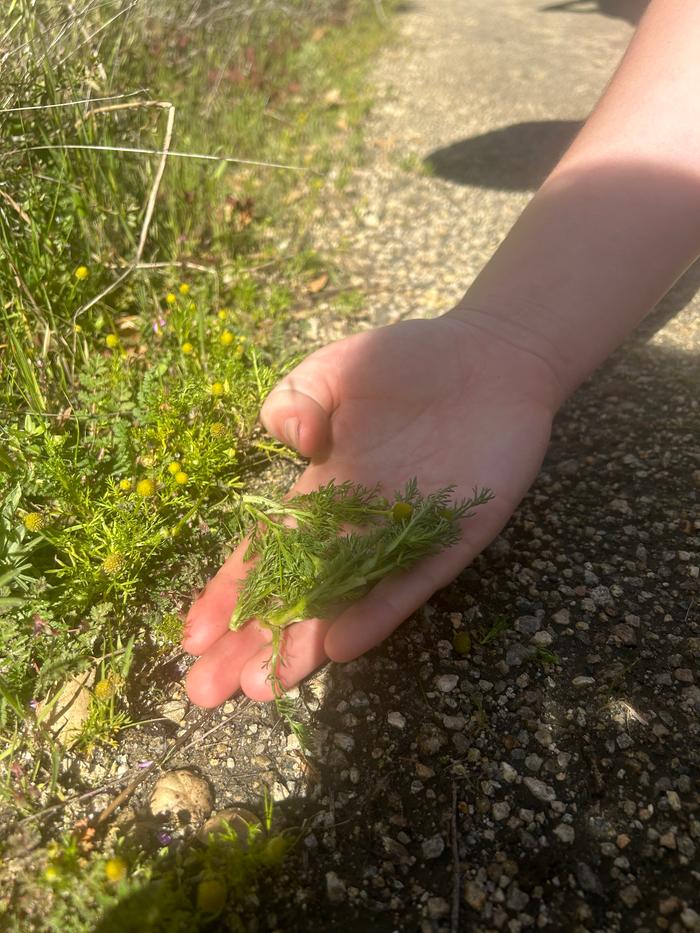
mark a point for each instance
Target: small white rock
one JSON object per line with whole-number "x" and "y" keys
{"x": 344, "y": 741}
{"x": 433, "y": 847}
{"x": 539, "y": 789}
{"x": 335, "y": 888}
{"x": 446, "y": 683}
{"x": 565, "y": 832}
{"x": 396, "y": 719}
{"x": 508, "y": 771}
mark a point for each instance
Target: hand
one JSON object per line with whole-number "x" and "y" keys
{"x": 441, "y": 400}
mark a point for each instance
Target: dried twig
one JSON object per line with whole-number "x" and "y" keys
{"x": 456, "y": 885}
{"x": 150, "y": 207}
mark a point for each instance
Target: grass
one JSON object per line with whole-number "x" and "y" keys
{"x": 145, "y": 314}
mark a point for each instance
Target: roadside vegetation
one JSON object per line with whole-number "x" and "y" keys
{"x": 161, "y": 164}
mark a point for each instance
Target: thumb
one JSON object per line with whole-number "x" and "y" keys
{"x": 298, "y": 411}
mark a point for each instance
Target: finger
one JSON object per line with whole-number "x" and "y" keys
{"x": 210, "y": 614}
{"x": 216, "y": 676}
{"x": 298, "y": 410}
{"x": 301, "y": 653}
{"x": 296, "y": 420}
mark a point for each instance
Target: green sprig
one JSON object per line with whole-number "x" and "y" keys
{"x": 318, "y": 551}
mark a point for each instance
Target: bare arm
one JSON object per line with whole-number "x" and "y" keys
{"x": 617, "y": 221}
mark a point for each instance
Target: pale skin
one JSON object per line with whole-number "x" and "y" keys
{"x": 468, "y": 399}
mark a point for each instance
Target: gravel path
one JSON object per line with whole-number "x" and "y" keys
{"x": 548, "y": 778}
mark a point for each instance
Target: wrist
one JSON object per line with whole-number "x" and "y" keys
{"x": 533, "y": 359}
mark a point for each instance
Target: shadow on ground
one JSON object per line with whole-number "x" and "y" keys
{"x": 519, "y": 158}
{"x": 513, "y": 158}
{"x": 629, "y": 10}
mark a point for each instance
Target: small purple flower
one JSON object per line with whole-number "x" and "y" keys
{"x": 144, "y": 764}
{"x": 33, "y": 704}
{"x": 159, "y": 325}
{"x": 164, "y": 838}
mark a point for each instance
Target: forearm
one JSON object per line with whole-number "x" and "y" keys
{"x": 617, "y": 221}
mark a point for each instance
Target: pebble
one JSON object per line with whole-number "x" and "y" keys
{"x": 335, "y": 888}
{"x": 527, "y": 625}
{"x": 581, "y": 681}
{"x": 540, "y": 790}
{"x": 437, "y": 908}
{"x": 446, "y": 683}
{"x": 509, "y": 773}
{"x": 396, "y": 719}
{"x": 630, "y": 895}
{"x": 542, "y": 639}
{"x": 344, "y": 741}
{"x": 454, "y": 723}
{"x": 533, "y": 762}
{"x": 433, "y": 847}
{"x": 690, "y": 919}
{"x": 474, "y": 895}
{"x": 684, "y": 675}
{"x": 565, "y": 833}
{"x": 587, "y": 878}
{"x": 517, "y": 899}
{"x": 501, "y": 810}
{"x": 601, "y": 596}
{"x": 624, "y": 634}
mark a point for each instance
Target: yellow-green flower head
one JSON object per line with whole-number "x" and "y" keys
{"x": 112, "y": 564}
{"x": 226, "y": 338}
{"x": 181, "y": 478}
{"x": 222, "y": 314}
{"x": 81, "y": 273}
{"x": 211, "y": 895}
{"x": 115, "y": 869}
{"x": 401, "y": 511}
{"x": 145, "y": 488}
{"x": 187, "y": 347}
{"x": 218, "y": 429}
{"x": 34, "y": 521}
{"x": 112, "y": 341}
{"x": 174, "y": 467}
{"x": 51, "y": 873}
{"x": 217, "y": 389}
{"x": 183, "y": 288}
{"x": 462, "y": 642}
{"x": 125, "y": 485}
{"x": 105, "y": 689}
{"x": 170, "y": 298}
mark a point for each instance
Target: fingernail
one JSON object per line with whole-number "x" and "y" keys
{"x": 291, "y": 431}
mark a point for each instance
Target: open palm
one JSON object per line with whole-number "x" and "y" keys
{"x": 438, "y": 400}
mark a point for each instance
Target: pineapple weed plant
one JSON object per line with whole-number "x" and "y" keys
{"x": 129, "y": 444}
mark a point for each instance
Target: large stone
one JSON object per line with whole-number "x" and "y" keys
{"x": 67, "y": 713}
{"x": 238, "y": 819}
{"x": 182, "y": 794}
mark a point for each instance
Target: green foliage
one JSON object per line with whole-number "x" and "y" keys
{"x": 307, "y": 562}
{"x": 180, "y": 888}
